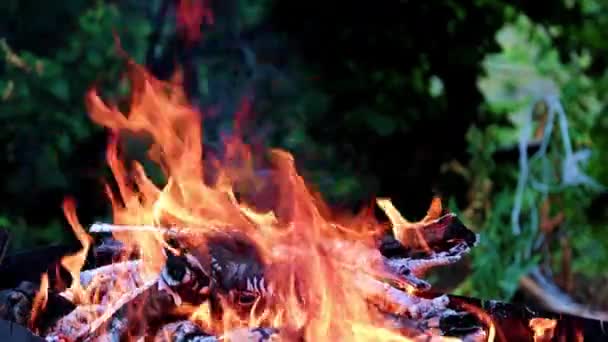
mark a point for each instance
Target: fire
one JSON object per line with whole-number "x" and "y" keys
{"x": 406, "y": 232}
{"x": 41, "y": 298}
{"x": 313, "y": 292}
{"x": 318, "y": 270}
{"x": 543, "y": 328}
{"x": 74, "y": 263}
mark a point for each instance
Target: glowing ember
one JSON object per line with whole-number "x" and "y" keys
{"x": 543, "y": 328}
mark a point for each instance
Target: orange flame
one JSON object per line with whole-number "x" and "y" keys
{"x": 543, "y": 328}
{"x": 406, "y": 232}
{"x": 313, "y": 256}
{"x": 73, "y": 263}
{"x": 40, "y": 299}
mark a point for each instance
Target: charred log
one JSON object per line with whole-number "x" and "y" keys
{"x": 186, "y": 331}
{"x": 16, "y": 306}
{"x": 29, "y": 265}
{"x": 512, "y": 321}
{"x": 440, "y": 235}
{"x": 10, "y": 331}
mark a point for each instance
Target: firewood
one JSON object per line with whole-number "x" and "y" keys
{"x": 438, "y": 235}
{"x": 130, "y": 268}
{"x": 112, "y": 228}
{"x": 75, "y": 325}
{"x": 184, "y": 277}
{"x": 29, "y": 265}
{"x": 16, "y": 304}
{"x": 549, "y": 295}
{"x": 419, "y": 266}
{"x": 10, "y": 331}
{"x": 115, "y": 330}
{"x": 186, "y": 331}
{"x": 108, "y": 251}
{"x": 117, "y": 305}
{"x": 98, "y": 283}
{"x": 151, "y": 302}
{"x": 85, "y": 320}
{"x": 56, "y": 308}
{"x": 229, "y": 263}
{"x": 396, "y": 301}
{"x": 235, "y": 263}
{"x": 183, "y": 331}
{"x": 232, "y": 274}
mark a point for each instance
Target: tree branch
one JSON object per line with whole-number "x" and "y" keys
{"x": 549, "y": 295}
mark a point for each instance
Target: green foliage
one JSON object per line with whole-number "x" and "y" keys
{"x": 42, "y": 103}
{"x": 517, "y": 86}
{"x": 22, "y": 236}
{"x": 500, "y": 260}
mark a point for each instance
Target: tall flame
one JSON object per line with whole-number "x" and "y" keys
{"x": 40, "y": 299}
{"x": 310, "y": 251}
{"x": 74, "y": 263}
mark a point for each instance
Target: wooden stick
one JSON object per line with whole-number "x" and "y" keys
{"x": 131, "y": 267}
{"x": 188, "y": 331}
{"x": 84, "y": 321}
{"x": 113, "y": 228}
{"x": 114, "y": 307}
{"x": 74, "y": 324}
{"x": 553, "y": 298}
{"x": 397, "y": 301}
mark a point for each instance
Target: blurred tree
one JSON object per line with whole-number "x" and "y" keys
{"x": 533, "y": 208}
{"x": 43, "y": 119}
{"x": 400, "y": 77}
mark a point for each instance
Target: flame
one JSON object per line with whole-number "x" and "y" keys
{"x": 543, "y": 328}
{"x": 485, "y": 318}
{"x": 402, "y": 228}
{"x": 40, "y": 300}
{"x": 313, "y": 291}
{"x": 74, "y": 263}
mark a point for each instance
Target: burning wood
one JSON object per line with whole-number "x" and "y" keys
{"x": 230, "y": 268}
{"x": 186, "y": 331}
{"x": 16, "y": 304}
{"x": 75, "y": 325}
{"x": 117, "y": 305}
{"x": 112, "y": 271}
{"x": 223, "y": 270}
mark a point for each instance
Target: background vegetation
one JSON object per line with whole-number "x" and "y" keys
{"x": 399, "y": 99}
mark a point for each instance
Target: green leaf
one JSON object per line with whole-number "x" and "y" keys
{"x": 60, "y": 88}
{"x": 4, "y": 221}
{"x": 383, "y": 125}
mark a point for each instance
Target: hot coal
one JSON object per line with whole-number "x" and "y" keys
{"x": 229, "y": 267}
